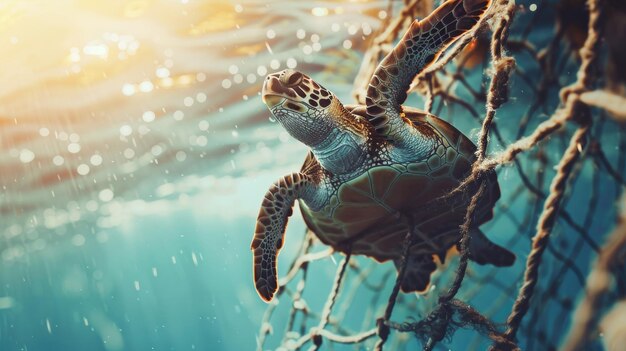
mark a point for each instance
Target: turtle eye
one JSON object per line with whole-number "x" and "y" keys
{"x": 294, "y": 106}
{"x": 294, "y": 79}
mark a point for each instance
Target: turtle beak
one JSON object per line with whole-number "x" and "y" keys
{"x": 271, "y": 97}
{"x": 272, "y": 100}
{"x": 273, "y": 92}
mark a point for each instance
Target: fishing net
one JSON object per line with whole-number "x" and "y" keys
{"x": 538, "y": 87}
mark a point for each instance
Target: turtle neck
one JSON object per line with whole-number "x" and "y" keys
{"x": 341, "y": 152}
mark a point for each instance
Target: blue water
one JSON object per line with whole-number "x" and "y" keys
{"x": 135, "y": 153}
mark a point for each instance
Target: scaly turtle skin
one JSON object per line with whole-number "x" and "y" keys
{"x": 378, "y": 171}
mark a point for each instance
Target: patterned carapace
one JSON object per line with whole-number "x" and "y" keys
{"x": 375, "y": 169}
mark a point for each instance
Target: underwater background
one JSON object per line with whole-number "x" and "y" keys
{"x": 135, "y": 151}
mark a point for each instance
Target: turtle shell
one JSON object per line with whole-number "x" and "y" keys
{"x": 363, "y": 214}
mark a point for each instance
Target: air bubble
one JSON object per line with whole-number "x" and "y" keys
{"x": 178, "y": 115}
{"x": 91, "y": 206}
{"x": 82, "y": 169}
{"x": 156, "y": 150}
{"x": 201, "y": 97}
{"x": 148, "y": 116}
{"x": 128, "y": 89}
{"x": 74, "y": 138}
{"x": 58, "y": 160}
{"x": 78, "y": 240}
{"x": 162, "y": 72}
{"x": 106, "y": 195}
{"x": 319, "y": 11}
{"x": 146, "y": 86}
{"x": 181, "y": 156}
{"x": 143, "y": 130}
{"x": 201, "y": 140}
{"x": 96, "y": 160}
{"x": 129, "y": 153}
{"x": 203, "y": 125}
{"x": 73, "y": 148}
{"x": 367, "y": 30}
{"x": 26, "y": 156}
{"x": 126, "y": 130}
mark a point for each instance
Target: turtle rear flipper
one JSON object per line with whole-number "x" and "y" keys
{"x": 484, "y": 251}
{"x": 421, "y": 45}
{"x": 417, "y": 274}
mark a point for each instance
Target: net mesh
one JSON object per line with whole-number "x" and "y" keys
{"x": 558, "y": 147}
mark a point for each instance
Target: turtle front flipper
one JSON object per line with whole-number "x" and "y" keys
{"x": 275, "y": 210}
{"x": 420, "y": 46}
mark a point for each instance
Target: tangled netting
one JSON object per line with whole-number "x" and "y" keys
{"x": 567, "y": 294}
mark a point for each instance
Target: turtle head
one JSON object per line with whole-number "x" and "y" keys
{"x": 316, "y": 117}
{"x": 302, "y": 106}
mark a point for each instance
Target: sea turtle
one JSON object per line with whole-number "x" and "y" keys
{"x": 375, "y": 172}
